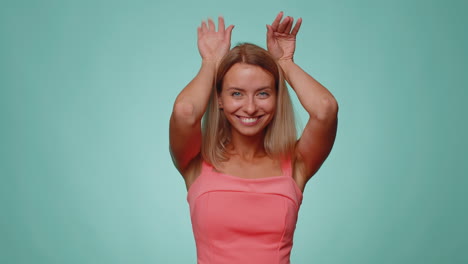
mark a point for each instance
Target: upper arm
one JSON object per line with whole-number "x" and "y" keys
{"x": 184, "y": 135}
{"x": 317, "y": 140}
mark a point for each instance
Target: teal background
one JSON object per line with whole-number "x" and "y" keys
{"x": 86, "y": 93}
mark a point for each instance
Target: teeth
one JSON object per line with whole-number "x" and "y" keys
{"x": 249, "y": 120}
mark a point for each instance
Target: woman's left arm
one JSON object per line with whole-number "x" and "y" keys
{"x": 318, "y": 136}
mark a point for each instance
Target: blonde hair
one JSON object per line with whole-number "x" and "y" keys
{"x": 280, "y": 135}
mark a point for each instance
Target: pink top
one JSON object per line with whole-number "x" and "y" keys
{"x": 238, "y": 220}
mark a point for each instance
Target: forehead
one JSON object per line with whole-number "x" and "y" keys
{"x": 247, "y": 76}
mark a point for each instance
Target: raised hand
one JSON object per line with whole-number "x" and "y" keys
{"x": 281, "y": 40}
{"x": 212, "y": 44}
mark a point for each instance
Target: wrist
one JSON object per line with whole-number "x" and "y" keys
{"x": 210, "y": 63}
{"x": 285, "y": 63}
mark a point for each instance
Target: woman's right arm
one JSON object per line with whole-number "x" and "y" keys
{"x": 190, "y": 105}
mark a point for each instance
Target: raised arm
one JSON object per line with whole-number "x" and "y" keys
{"x": 191, "y": 103}
{"x": 319, "y": 134}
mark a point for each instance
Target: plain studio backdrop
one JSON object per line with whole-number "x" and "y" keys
{"x": 87, "y": 89}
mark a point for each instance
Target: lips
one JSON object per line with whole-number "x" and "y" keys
{"x": 249, "y": 121}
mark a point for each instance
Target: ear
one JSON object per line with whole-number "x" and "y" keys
{"x": 220, "y": 102}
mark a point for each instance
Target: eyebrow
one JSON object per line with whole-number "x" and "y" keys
{"x": 243, "y": 90}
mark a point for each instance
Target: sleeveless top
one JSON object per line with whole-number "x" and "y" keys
{"x": 239, "y": 220}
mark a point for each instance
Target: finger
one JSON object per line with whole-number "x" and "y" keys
{"x": 211, "y": 25}
{"x": 228, "y": 33}
{"x": 277, "y": 20}
{"x": 269, "y": 32}
{"x": 204, "y": 28}
{"x": 199, "y": 31}
{"x": 283, "y": 25}
{"x": 269, "y": 35}
{"x": 289, "y": 26}
{"x": 221, "y": 24}
{"x": 296, "y": 27}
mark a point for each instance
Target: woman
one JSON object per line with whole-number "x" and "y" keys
{"x": 245, "y": 172}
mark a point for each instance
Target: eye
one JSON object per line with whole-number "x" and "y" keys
{"x": 263, "y": 94}
{"x": 236, "y": 94}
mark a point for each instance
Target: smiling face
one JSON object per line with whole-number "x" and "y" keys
{"x": 248, "y": 99}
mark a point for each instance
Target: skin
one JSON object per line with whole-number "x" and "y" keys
{"x": 246, "y": 152}
{"x": 248, "y": 94}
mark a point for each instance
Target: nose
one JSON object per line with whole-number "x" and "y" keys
{"x": 251, "y": 107}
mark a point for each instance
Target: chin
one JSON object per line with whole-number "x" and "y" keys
{"x": 251, "y": 132}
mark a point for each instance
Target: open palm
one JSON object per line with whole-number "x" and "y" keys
{"x": 212, "y": 44}
{"x": 281, "y": 40}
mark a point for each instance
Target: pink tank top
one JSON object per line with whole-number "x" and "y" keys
{"x": 238, "y": 220}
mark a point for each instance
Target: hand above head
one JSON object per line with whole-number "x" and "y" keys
{"x": 281, "y": 40}
{"x": 214, "y": 45}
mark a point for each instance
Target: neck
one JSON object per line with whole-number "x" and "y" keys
{"x": 247, "y": 148}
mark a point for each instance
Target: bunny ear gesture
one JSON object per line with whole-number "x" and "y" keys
{"x": 281, "y": 40}
{"x": 212, "y": 44}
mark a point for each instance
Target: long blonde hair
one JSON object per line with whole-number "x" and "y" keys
{"x": 280, "y": 135}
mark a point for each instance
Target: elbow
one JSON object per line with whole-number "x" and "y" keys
{"x": 328, "y": 108}
{"x": 184, "y": 112}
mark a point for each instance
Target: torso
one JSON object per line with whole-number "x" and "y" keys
{"x": 259, "y": 168}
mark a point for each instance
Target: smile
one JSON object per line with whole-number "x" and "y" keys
{"x": 249, "y": 121}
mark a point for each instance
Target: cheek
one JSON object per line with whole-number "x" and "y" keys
{"x": 231, "y": 104}
{"x": 268, "y": 105}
